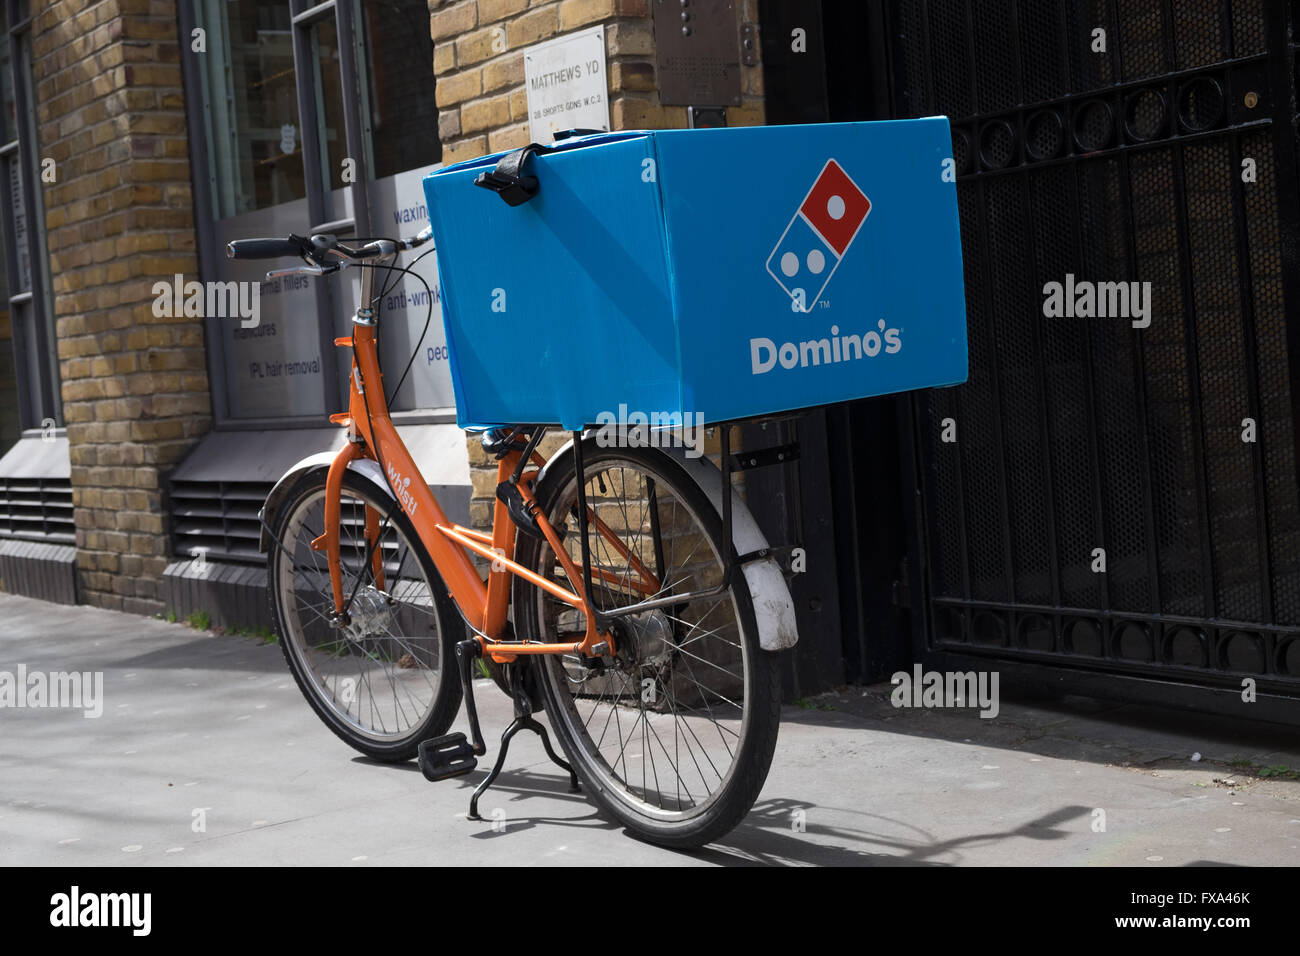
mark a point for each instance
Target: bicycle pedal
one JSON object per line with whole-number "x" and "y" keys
{"x": 450, "y": 755}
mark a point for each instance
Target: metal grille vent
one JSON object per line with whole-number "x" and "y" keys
{"x": 219, "y": 517}
{"x": 37, "y": 509}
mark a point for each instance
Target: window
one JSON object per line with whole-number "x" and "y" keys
{"x": 10, "y": 418}
{"x": 400, "y": 125}
{"x": 251, "y": 106}
{"x": 327, "y": 89}
{"x": 29, "y": 373}
{"x": 314, "y": 117}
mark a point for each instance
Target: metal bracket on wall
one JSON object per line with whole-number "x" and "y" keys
{"x": 749, "y": 45}
{"x": 707, "y": 117}
{"x": 762, "y": 457}
{"x": 697, "y": 52}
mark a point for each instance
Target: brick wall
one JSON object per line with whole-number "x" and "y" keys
{"x": 478, "y": 60}
{"x": 119, "y": 217}
{"x": 482, "y": 105}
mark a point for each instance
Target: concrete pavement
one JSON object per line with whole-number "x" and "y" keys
{"x": 213, "y": 727}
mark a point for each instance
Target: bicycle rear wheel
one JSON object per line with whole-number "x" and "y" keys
{"x": 673, "y": 734}
{"x": 387, "y": 679}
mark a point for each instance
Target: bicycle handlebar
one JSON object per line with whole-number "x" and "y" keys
{"x": 267, "y": 248}
{"x": 321, "y": 249}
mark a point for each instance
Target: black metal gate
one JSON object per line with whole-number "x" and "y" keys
{"x": 1160, "y": 150}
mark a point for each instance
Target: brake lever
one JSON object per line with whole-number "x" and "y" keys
{"x": 419, "y": 239}
{"x": 302, "y": 271}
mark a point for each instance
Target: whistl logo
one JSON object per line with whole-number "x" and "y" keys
{"x": 402, "y": 488}
{"x": 816, "y": 239}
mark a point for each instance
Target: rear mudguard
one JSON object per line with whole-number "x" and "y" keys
{"x": 365, "y": 467}
{"x": 773, "y": 606}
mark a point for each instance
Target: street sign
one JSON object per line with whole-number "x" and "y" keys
{"x": 565, "y": 80}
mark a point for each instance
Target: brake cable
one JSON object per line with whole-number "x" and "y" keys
{"x": 388, "y": 283}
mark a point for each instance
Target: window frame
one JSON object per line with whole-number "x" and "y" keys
{"x": 36, "y": 363}
{"x": 304, "y": 16}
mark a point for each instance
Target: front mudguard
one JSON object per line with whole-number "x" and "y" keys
{"x": 321, "y": 461}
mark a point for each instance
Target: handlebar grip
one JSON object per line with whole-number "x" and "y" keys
{"x": 266, "y": 248}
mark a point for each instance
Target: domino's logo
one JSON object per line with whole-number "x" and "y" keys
{"x": 816, "y": 239}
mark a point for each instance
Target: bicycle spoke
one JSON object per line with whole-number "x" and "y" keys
{"x": 692, "y": 648}
{"x": 368, "y": 653}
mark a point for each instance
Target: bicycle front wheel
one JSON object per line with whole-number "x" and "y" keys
{"x": 673, "y": 734}
{"x": 386, "y": 679}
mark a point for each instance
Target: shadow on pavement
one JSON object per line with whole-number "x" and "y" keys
{"x": 1076, "y": 728}
{"x": 768, "y": 836}
{"x": 210, "y": 652}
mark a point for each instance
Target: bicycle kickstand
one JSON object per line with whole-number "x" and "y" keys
{"x": 523, "y": 721}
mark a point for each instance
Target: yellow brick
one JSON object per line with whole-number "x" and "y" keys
{"x": 458, "y": 87}
{"x": 141, "y": 28}
{"x": 502, "y": 73}
{"x": 750, "y": 113}
{"x": 519, "y": 105}
{"x": 448, "y": 125}
{"x": 483, "y": 482}
{"x": 552, "y": 442}
{"x": 452, "y": 20}
{"x": 158, "y": 124}
{"x": 630, "y": 38}
{"x": 537, "y": 25}
{"x": 444, "y": 58}
{"x": 481, "y": 45}
{"x": 485, "y": 114}
{"x": 577, "y": 13}
{"x": 630, "y": 112}
{"x": 631, "y": 75}
{"x": 470, "y": 148}
{"x": 474, "y": 451}
{"x": 489, "y": 11}
{"x": 480, "y": 514}
{"x": 509, "y": 138}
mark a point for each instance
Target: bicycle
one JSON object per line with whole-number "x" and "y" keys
{"x": 616, "y": 601}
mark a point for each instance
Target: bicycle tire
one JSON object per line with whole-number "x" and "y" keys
{"x": 445, "y": 700}
{"x": 615, "y": 799}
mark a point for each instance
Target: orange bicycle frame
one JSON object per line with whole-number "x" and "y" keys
{"x": 372, "y": 435}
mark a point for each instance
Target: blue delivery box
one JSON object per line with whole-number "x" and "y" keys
{"x": 724, "y": 273}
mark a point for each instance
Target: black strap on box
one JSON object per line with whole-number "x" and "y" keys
{"x": 505, "y": 180}
{"x": 563, "y": 134}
